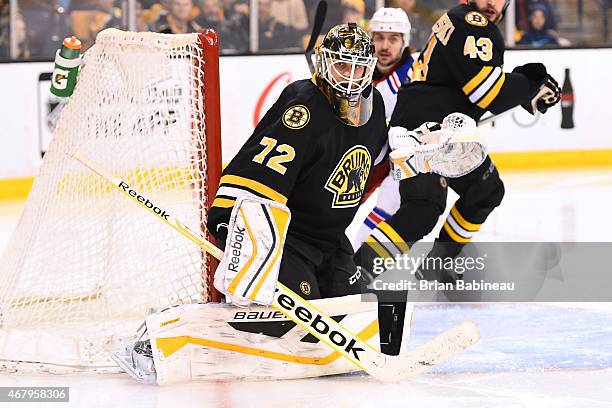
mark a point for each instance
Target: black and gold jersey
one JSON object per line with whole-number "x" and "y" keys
{"x": 301, "y": 155}
{"x": 460, "y": 70}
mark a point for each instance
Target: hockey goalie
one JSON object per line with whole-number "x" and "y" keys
{"x": 280, "y": 214}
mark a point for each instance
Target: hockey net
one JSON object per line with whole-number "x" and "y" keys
{"x": 86, "y": 265}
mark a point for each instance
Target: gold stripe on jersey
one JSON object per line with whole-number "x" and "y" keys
{"x": 378, "y": 247}
{"x": 463, "y": 222}
{"x": 386, "y": 242}
{"x": 254, "y": 186}
{"x": 393, "y": 236}
{"x": 420, "y": 68}
{"x": 223, "y": 202}
{"x": 492, "y": 94}
{"x": 458, "y": 228}
{"x": 454, "y": 236}
{"x": 477, "y": 80}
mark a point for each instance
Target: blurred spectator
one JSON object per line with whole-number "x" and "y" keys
{"x": 141, "y": 19}
{"x": 422, "y": 18}
{"x": 46, "y": 24}
{"x": 291, "y": 13}
{"x": 340, "y": 11}
{"x": 5, "y": 16}
{"x": 23, "y": 51}
{"x": 178, "y": 20}
{"x": 232, "y": 36}
{"x": 537, "y": 35}
{"x": 155, "y": 11}
{"x": 236, "y": 12}
{"x": 274, "y": 35}
{"x": 231, "y": 7}
{"x": 147, "y": 4}
{"x": 353, "y": 11}
{"x": 89, "y": 17}
{"x": 524, "y": 9}
{"x": 82, "y": 5}
{"x": 111, "y": 17}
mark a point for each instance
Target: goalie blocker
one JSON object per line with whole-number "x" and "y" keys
{"x": 256, "y": 235}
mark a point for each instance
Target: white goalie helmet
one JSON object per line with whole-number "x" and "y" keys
{"x": 391, "y": 20}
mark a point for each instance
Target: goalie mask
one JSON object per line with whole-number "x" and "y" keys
{"x": 344, "y": 64}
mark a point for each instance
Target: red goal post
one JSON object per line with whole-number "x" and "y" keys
{"x": 212, "y": 108}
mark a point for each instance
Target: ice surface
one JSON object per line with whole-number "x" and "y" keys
{"x": 529, "y": 355}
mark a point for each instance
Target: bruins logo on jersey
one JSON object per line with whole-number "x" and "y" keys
{"x": 476, "y": 18}
{"x": 348, "y": 180}
{"x": 296, "y": 117}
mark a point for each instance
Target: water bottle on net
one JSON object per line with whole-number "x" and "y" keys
{"x": 67, "y": 62}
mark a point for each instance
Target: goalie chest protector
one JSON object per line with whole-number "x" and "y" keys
{"x": 302, "y": 155}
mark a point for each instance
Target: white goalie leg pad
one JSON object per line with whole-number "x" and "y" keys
{"x": 212, "y": 341}
{"x": 249, "y": 269}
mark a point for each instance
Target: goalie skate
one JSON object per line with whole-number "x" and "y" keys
{"x": 137, "y": 361}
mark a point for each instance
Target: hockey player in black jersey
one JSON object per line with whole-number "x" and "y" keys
{"x": 313, "y": 151}
{"x": 459, "y": 70}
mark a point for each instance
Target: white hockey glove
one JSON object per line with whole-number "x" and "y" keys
{"x": 410, "y": 154}
{"x": 451, "y": 149}
{"x": 256, "y": 234}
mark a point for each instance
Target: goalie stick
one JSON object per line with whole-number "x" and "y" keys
{"x": 316, "y": 322}
{"x": 319, "y": 19}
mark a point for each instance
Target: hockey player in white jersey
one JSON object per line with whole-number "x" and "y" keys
{"x": 390, "y": 31}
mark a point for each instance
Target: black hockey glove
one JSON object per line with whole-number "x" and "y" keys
{"x": 546, "y": 96}
{"x": 545, "y": 91}
{"x": 535, "y": 72}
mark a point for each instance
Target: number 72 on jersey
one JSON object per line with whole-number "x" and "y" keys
{"x": 275, "y": 162}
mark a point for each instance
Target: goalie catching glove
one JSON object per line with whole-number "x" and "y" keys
{"x": 256, "y": 234}
{"x": 451, "y": 149}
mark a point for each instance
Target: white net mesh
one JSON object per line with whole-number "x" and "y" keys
{"x": 86, "y": 265}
